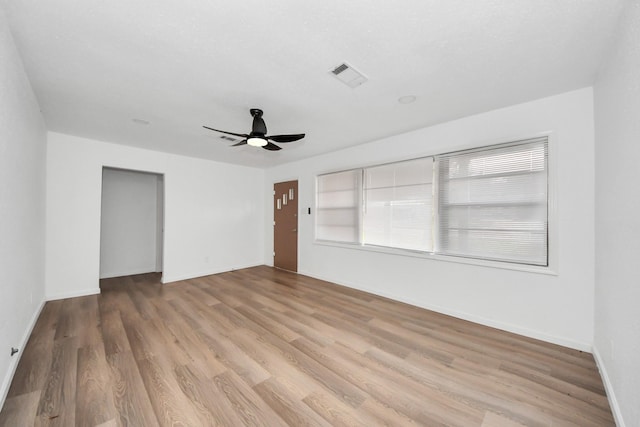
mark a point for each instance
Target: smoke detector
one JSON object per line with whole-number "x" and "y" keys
{"x": 348, "y": 75}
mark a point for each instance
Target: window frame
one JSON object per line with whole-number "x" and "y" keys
{"x": 363, "y": 241}
{"x": 358, "y": 209}
{"x": 486, "y": 150}
{"x": 552, "y": 268}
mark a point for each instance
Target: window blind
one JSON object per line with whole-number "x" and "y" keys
{"x": 398, "y": 205}
{"x": 492, "y": 203}
{"x": 338, "y": 206}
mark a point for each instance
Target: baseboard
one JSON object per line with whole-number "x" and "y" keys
{"x": 6, "y": 383}
{"x": 613, "y": 402}
{"x": 134, "y": 271}
{"x": 577, "y": 345}
{"x": 82, "y": 293}
{"x": 167, "y": 278}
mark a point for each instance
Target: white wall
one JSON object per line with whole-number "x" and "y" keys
{"x": 556, "y": 308}
{"x": 128, "y": 232}
{"x": 617, "y": 303}
{"x": 213, "y": 213}
{"x": 22, "y": 209}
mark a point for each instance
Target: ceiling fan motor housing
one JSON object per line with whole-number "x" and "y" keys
{"x": 258, "y": 128}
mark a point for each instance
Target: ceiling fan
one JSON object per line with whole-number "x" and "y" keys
{"x": 258, "y": 136}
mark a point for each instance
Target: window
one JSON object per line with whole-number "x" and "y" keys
{"x": 489, "y": 203}
{"x": 397, "y": 205}
{"x": 493, "y": 203}
{"x": 338, "y": 207}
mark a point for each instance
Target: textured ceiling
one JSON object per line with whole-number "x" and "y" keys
{"x": 95, "y": 65}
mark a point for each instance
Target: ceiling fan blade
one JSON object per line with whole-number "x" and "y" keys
{"x": 271, "y": 147}
{"x": 243, "y": 142}
{"x": 241, "y": 135}
{"x": 286, "y": 138}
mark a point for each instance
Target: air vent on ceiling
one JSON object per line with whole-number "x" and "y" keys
{"x": 228, "y": 138}
{"x": 348, "y": 75}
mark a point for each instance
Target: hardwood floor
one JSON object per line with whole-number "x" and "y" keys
{"x": 263, "y": 347}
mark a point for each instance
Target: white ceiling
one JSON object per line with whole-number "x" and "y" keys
{"x": 95, "y": 65}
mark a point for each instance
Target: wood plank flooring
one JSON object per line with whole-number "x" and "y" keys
{"x": 263, "y": 347}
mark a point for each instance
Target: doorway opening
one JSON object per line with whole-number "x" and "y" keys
{"x": 131, "y": 223}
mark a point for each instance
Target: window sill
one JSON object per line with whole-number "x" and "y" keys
{"x": 446, "y": 258}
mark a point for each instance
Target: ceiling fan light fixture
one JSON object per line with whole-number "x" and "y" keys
{"x": 256, "y": 141}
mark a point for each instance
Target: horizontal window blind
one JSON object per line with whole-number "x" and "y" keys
{"x": 398, "y": 205}
{"x": 492, "y": 203}
{"x": 338, "y": 206}
{"x": 489, "y": 203}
